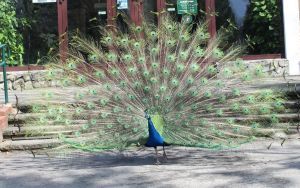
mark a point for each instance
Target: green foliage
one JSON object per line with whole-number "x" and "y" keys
{"x": 9, "y": 33}
{"x": 263, "y": 26}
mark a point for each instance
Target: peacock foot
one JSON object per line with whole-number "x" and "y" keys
{"x": 157, "y": 162}
{"x": 165, "y": 157}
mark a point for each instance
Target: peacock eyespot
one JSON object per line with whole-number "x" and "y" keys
{"x": 235, "y": 107}
{"x": 250, "y": 99}
{"x": 107, "y": 87}
{"x": 93, "y": 92}
{"x": 138, "y": 29}
{"x": 79, "y": 110}
{"x": 117, "y": 97}
{"x": 137, "y": 84}
{"x": 59, "y": 118}
{"x": 246, "y": 111}
{"x": 180, "y": 68}
{"x": 162, "y": 88}
{"x": 170, "y": 27}
{"x": 230, "y": 121}
{"x": 72, "y": 66}
{"x": 180, "y": 94}
{"x": 154, "y": 65}
{"x": 108, "y": 40}
{"x": 204, "y": 81}
{"x": 93, "y": 122}
{"x": 153, "y": 80}
{"x": 124, "y": 42}
{"x": 146, "y": 74}
{"x": 195, "y": 67}
{"x": 153, "y": 34}
{"x": 211, "y": 69}
{"x": 208, "y": 94}
{"x": 131, "y": 97}
{"x": 171, "y": 58}
{"x": 137, "y": 45}
{"x": 147, "y": 89}
{"x": 190, "y": 80}
{"x": 154, "y": 50}
{"x": 168, "y": 99}
{"x": 166, "y": 72}
{"x": 170, "y": 43}
{"x": 236, "y": 92}
{"x": 175, "y": 82}
{"x": 91, "y": 105}
{"x": 246, "y": 77}
{"x": 81, "y": 79}
{"x": 141, "y": 60}
{"x": 109, "y": 126}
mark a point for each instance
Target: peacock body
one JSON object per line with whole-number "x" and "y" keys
{"x": 195, "y": 92}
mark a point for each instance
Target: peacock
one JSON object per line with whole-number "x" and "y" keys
{"x": 159, "y": 85}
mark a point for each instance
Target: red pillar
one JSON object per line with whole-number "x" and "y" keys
{"x": 62, "y": 11}
{"x": 211, "y": 17}
{"x": 111, "y": 11}
{"x": 136, "y": 11}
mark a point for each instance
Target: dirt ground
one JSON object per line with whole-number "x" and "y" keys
{"x": 252, "y": 165}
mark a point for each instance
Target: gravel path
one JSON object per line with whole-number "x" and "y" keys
{"x": 252, "y": 165}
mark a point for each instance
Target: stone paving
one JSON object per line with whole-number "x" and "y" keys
{"x": 252, "y": 165}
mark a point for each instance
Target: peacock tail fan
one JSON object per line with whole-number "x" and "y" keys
{"x": 197, "y": 93}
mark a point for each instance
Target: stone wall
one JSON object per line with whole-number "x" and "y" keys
{"x": 25, "y": 80}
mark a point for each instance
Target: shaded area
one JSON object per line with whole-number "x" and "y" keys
{"x": 251, "y": 166}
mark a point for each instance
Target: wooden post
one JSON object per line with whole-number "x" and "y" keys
{"x": 62, "y": 11}
{"x": 211, "y": 17}
{"x": 111, "y": 12}
{"x": 136, "y": 11}
{"x": 161, "y": 5}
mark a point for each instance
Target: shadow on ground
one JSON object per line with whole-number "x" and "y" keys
{"x": 186, "y": 167}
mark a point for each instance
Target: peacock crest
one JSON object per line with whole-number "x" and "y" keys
{"x": 197, "y": 92}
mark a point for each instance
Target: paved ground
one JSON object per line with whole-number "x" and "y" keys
{"x": 250, "y": 166}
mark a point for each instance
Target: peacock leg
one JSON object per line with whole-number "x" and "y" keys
{"x": 165, "y": 154}
{"x": 156, "y": 153}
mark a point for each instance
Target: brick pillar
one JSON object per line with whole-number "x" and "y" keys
{"x": 4, "y": 112}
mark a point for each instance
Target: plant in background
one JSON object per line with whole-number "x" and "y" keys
{"x": 9, "y": 31}
{"x": 263, "y": 25}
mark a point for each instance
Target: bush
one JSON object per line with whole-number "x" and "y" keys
{"x": 9, "y": 33}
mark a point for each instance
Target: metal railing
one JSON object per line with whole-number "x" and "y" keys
{"x": 4, "y": 51}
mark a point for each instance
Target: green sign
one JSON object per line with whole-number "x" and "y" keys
{"x": 187, "y": 6}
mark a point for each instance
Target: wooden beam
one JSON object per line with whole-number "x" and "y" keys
{"x": 211, "y": 17}
{"x": 62, "y": 11}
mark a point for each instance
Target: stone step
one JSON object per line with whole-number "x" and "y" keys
{"x": 9, "y": 145}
